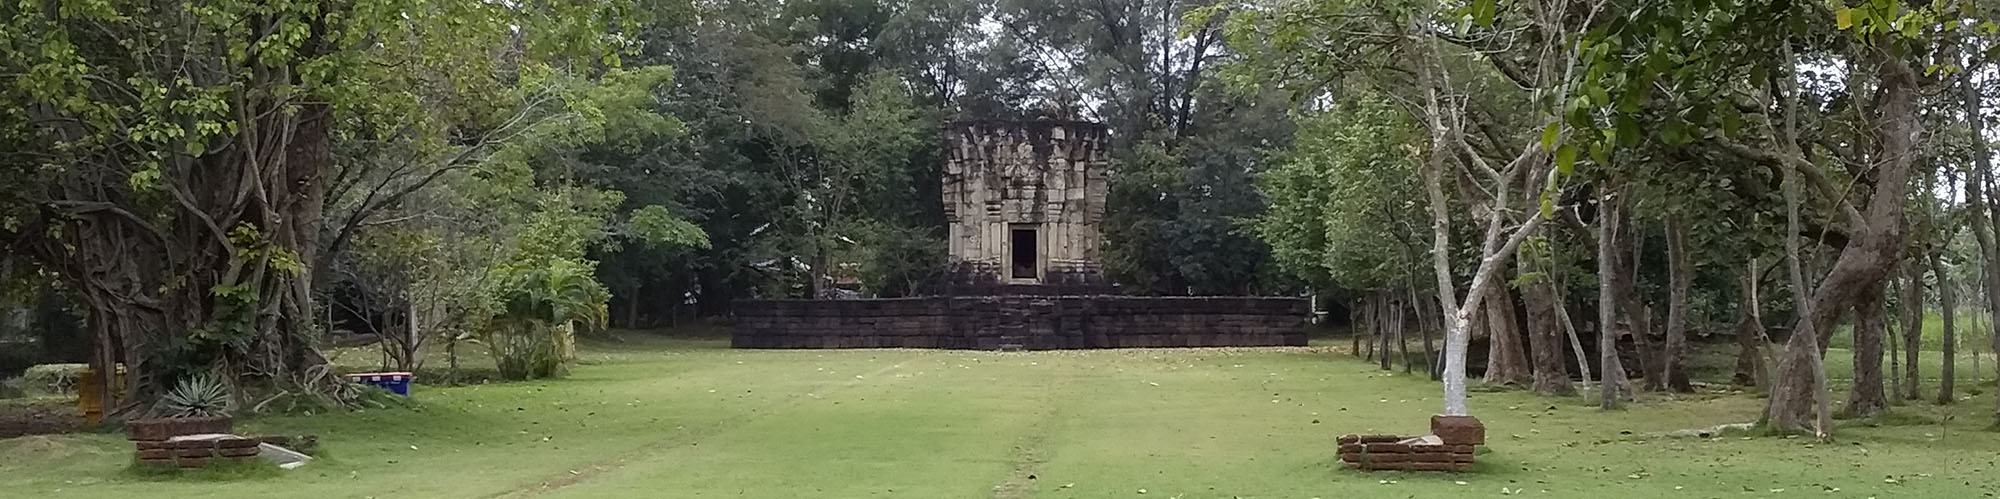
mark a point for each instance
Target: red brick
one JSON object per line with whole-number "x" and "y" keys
{"x": 1388, "y": 448}
{"x": 1459, "y": 430}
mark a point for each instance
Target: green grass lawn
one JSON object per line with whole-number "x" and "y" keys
{"x": 663, "y": 417}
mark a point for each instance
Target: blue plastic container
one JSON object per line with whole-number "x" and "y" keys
{"x": 399, "y": 383}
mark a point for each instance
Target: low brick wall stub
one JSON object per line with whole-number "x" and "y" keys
{"x": 1453, "y": 442}
{"x": 1032, "y": 322}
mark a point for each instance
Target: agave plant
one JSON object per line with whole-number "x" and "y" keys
{"x": 201, "y": 395}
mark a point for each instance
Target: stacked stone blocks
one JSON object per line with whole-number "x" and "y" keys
{"x": 188, "y": 442}
{"x": 1027, "y": 321}
{"x": 1449, "y": 447}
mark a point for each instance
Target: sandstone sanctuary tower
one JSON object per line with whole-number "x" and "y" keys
{"x": 1024, "y": 208}
{"x": 1023, "y": 202}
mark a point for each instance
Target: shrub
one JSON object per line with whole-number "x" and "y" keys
{"x": 541, "y": 303}
{"x": 53, "y": 379}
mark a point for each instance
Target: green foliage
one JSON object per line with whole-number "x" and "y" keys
{"x": 53, "y": 379}
{"x": 654, "y": 225}
{"x": 1346, "y": 207}
{"x": 894, "y": 259}
{"x": 201, "y": 395}
{"x": 542, "y": 301}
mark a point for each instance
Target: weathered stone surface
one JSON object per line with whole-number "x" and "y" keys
{"x": 1436, "y": 452}
{"x": 1458, "y": 430}
{"x": 1033, "y": 322}
{"x": 1045, "y": 175}
{"x": 194, "y": 451}
{"x": 1368, "y": 439}
{"x": 165, "y": 428}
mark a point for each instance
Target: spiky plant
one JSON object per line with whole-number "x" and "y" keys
{"x": 201, "y": 395}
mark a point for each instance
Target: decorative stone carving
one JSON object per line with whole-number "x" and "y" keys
{"x": 1025, "y": 197}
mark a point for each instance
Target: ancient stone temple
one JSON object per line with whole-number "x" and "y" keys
{"x": 1024, "y": 200}
{"x": 1024, "y": 204}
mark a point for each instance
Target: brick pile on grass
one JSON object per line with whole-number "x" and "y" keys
{"x": 1449, "y": 447}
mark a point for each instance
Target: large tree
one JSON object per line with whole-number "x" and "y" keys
{"x": 170, "y": 160}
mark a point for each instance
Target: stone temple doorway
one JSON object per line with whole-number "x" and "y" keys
{"x": 1022, "y": 244}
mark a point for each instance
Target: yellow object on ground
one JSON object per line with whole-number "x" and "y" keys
{"x": 86, "y": 398}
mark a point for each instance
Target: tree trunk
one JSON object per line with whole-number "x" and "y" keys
{"x": 1575, "y": 340}
{"x": 1681, "y": 277}
{"x": 1545, "y": 334}
{"x": 1983, "y": 215}
{"x": 1506, "y": 361}
{"x": 1948, "y": 305}
{"x": 1374, "y": 329}
{"x": 632, "y": 308}
{"x": 1749, "y": 336}
{"x": 1652, "y": 366}
{"x": 414, "y": 345}
{"x": 1402, "y": 344}
{"x": 1357, "y": 316}
{"x": 1865, "y": 398}
{"x": 1428, "y": 323}
{"x": 1798, "y": 399}
{"x": 1384, "y": 328}
{"x": 1614, "y": 388}
{"x": 1895, "y": 374}
{"x": 1871, "y": 252}
{"x": 1913, "y": 329}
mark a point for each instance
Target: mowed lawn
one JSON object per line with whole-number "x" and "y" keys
{"x": 659, "y": 417}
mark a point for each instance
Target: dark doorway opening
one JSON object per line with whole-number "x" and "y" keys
{"x": 1023, "y": 243}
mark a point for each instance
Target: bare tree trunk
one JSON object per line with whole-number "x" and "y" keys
{"x": 1497, "y": 245}
{"x": 1948, "y": 305}
{"x": 1506, "y": 361}
{"x": 1913, "y": 328}
{"x": 1865, "y": 398}
{"x": 1610, "y": 273}
{"x": 1681, "y": 277}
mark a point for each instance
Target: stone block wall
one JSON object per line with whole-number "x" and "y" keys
{"x": 1021, "y": 321}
